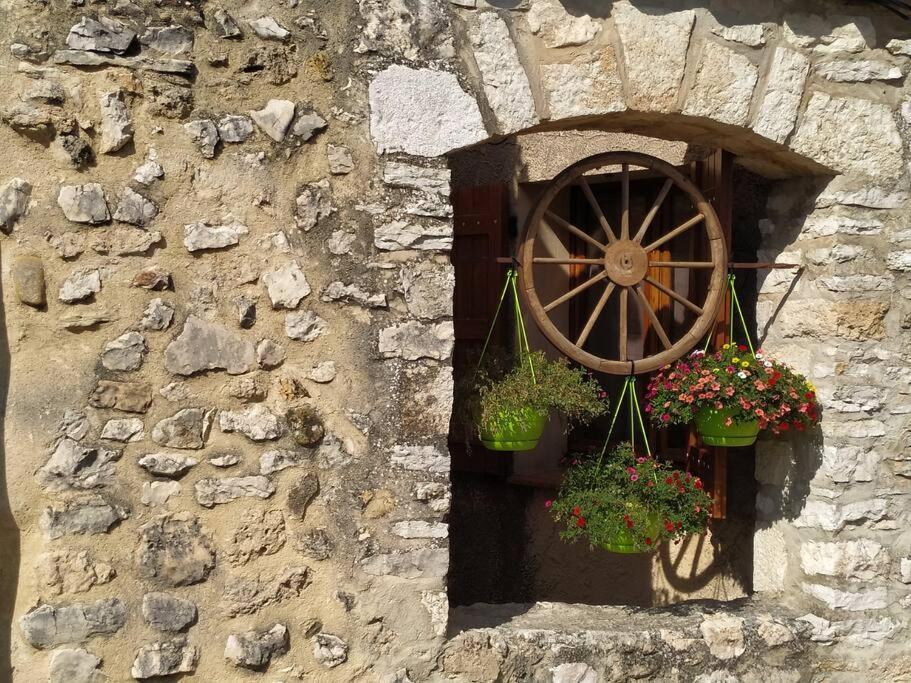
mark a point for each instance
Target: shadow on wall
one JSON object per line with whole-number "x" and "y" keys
{"x": 9, "y": 532}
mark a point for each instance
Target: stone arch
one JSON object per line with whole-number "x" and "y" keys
{"x": 672, "y": 74}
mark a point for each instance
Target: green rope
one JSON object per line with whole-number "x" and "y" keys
{"x": 639, "y": 415}
{"x": 628, "y": 392}
{"x": 733, "y": 306}
{"x": 521, "y": 334}
{"x": 614, "y": 418}
{"x": 735, "y": 303}
{"x": 494, "y": 322}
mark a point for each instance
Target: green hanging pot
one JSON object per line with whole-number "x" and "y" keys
{"x": 624, "y": 542}
{"x": 514, "y": 430}
{"x": 711, "y": 427}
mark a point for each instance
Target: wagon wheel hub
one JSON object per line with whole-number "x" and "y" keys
{"x": 626, "y": 263}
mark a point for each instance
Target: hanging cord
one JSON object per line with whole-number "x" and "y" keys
{"x": 628, "y": 393}
{"x": 524, "y": 348}
{"x": 735, "y": 304}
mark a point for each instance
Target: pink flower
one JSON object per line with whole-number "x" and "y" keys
{"x": 548, "y": 504}
{"x": 665, "y": 418}
{"x": 634, "y": 477}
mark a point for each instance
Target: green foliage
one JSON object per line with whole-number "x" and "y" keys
{"x": 751, "y": 387}
{"x": 541, "y": 385}
{"x": 631, "y": 497}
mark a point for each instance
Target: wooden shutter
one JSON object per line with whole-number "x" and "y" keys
{"x": 480, "y": 217}
{"x": 715, "y": 177}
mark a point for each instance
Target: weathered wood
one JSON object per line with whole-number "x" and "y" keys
{"x": 624, "y": 266}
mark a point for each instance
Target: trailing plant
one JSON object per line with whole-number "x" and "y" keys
{"x": 539, "y": 384}
{"x": 747, "y": 387}
{"x": 628, "y": 496}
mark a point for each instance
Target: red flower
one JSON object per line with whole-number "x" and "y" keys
{"x": 648, "y": 541}
{"x": 698, "y": 484}
{"x": 580, "y": 522}
{"x": 742, "y": 348}
{"x": 669, "y": 481}
{"x": 577, "y": 511}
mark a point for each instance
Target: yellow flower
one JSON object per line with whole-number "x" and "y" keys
{"x": 745, "y": 364}
{"x": 726, "y": 346}
{"x": 735, "y": 360}
{"x": 811, "y": 387}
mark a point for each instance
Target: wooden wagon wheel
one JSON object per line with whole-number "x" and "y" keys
{"x": 622, "y": 260}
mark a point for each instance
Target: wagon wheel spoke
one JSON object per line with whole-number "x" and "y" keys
{"x": 602, "y": 219}
{"x": 681, "y": 264}
{"x": 650, "y": 216}
{"x": 624, "y": 204}
{"x": 602, "y": 302}
{"x": 679, "y": 230}
{"x": 624, "y": 320}
{"x": 650, "y": 312}
{"x": 570, "y": 261}
{"x": 676, "y": 297}
{"x": 576, "y": 290}
{"x": 566, "y": 225}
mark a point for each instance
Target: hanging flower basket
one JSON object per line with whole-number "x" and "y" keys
{"x": 514, "y": 429}
{"x": 626, "y": 541}
{"x": 717, "y": 428}
{"x": 511, "y": 407}
{"x": 624, "y": 503}
{"x": 732, "y": 395}
{"x": 512, "y": 411}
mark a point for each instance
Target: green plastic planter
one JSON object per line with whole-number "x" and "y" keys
{"x": 517, "y": 430}
{"x": 624, "y": 544}
{"x": 710, "y": 424}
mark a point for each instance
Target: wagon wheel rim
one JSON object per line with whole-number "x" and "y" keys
{"x": 622, "y": 252}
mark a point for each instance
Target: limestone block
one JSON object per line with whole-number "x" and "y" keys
{"x": 47, "y": 626}
{"x": 831, "y": 34}
{"x": 422, "y": 112}
{"x": 172, "y": 656}
{"x": 175, "y": 550}
{"x": 583, "y": 87}
{"x": 28, "y": 280}
{"x": 770, "y": 558}
{"x": 723, "y": 86}
{"x": 858, "y": 70}
{"x": 654, "y": 53}
{"x": 863, "y": 559}
{"x": 745, "y": 34}
{"x": 503, "y": 77}
{"x": 14, "y": 198}
{"x": 420, "y": 459}
{"x": 723, "y": 635}
{"x": 855, "y": 136}
{"x": 850, "y": 601}
{"x": 557, "y": 27}
{"x": 413, "y": 340}
{"x": 779, "y": 103}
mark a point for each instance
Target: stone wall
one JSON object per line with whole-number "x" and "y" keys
{"x": 227, "y": 303}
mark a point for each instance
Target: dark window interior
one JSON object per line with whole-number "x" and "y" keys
{"x": 502, "y": 549}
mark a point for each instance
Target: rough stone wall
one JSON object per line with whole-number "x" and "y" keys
{"x": 227, "y": 301}
{"x": 229, "y": 387}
